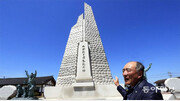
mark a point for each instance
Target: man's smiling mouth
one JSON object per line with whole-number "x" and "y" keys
{"x": 126, "y": 79}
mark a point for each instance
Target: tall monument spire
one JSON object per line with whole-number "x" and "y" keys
{"x": 84, "y": 31}
{"x": 84, "y": 71}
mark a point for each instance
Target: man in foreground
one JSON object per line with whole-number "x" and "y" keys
{"x": 138, "y": 87}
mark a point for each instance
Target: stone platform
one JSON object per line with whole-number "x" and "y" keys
{"x": 101, "y": 92}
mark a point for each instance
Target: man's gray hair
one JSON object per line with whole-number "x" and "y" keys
{"x": 140, "y": 67}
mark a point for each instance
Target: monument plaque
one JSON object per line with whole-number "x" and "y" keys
{"x": 83, "y": 74}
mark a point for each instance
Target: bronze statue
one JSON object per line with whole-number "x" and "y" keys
{"x": 27, "y": 92}
{"x": 145, "y": 70}
{"x": 31, "y": 83}
{"x": 19, "y": 91}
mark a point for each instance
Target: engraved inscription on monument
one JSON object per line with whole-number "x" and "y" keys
{"x": 83, "y": 75}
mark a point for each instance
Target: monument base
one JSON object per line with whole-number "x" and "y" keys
{"x": 101, "y": 92}
{"x": 21, "y": 98}
{"x": 84, "y": 86}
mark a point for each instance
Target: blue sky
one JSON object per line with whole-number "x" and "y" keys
{"x": 34, "y": 33}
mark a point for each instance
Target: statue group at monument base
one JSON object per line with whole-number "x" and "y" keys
{"x": 100, "y": 92}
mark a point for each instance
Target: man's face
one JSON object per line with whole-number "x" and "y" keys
{"x": 130, "y": 74}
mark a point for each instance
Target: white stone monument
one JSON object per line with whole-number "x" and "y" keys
{"x": 84, "y": 71}
{"x": 173, "y": 85}
{"x": 7, "y": 92}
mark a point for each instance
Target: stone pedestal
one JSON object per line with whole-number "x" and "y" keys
{"x": 69, "y": 93}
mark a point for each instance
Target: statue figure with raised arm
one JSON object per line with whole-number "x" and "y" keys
{"x": 145, "y": 70}
{"x": 31, "y": 83}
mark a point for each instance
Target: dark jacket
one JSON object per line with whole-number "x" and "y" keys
{"x": 142, "y": 91}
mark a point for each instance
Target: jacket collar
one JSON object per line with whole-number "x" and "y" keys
{"x": 138, "y": 88}
{"x": 139, "y": 84}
